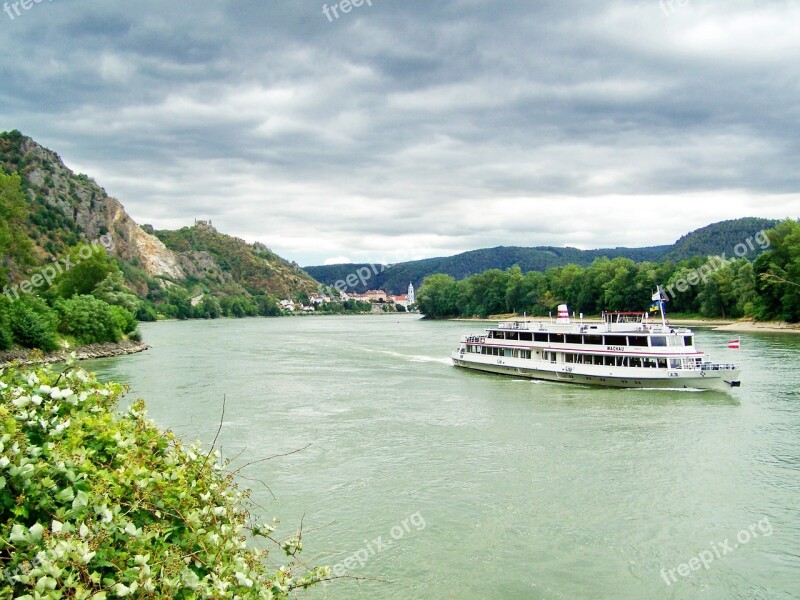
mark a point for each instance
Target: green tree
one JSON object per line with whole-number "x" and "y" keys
{"x": 124, "y": 319}
{"x": 113, "y": 290}
{"x": 33, "y": 323}
{"x": 777, "y": 275}
{"x": 87, "y": 267}
{"x": 267, "y": 306}
{"x": 438, "y": 296}
{"x": 208, "y": 308}
{"x": 90, "y": 320}
{"x": 178, "y": 303}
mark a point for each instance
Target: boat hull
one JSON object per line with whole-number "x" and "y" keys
{"x": 720, "y": 380}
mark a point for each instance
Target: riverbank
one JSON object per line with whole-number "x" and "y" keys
{"x": 715, "y": 324}
{"x": 107, "y": 350}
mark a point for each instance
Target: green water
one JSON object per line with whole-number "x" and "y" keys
{"x": 517, "y": 489}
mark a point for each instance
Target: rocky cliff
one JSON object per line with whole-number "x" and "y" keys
{"x": 68, "y": 208}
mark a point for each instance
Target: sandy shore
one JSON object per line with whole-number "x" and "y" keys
{"x": 715, "y": 324}
{"x": 756, "y": 327}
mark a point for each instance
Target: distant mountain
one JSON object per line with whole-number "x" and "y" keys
{"x": 66, "y": 208}
{"x": 713, "y": 239}
{"x": 717, "y": 238}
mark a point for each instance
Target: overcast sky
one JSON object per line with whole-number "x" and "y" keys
{"x": 410, "y": 129}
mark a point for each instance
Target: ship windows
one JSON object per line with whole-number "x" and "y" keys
{"x": 595, "y": 340}
{"x": 635, "y": 361}
{"x": 540, "y": 337}
{"x": 616, "y": 340}
{"x": 525, "y": 336}
{"x": 658, "y": 341}
{"x": 598, "y": 360}
{"x": 556, "y": 338}
{"x": 637, "y": 340}
{"x": 662, "y": 363}
{"x": 687, "y": 340}
{"x": 511, "y": 335}
{"x": 574, "y": 339}
{"x": 609, "y": 361}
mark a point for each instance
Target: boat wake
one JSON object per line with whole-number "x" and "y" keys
{"x": 418, "y": 358}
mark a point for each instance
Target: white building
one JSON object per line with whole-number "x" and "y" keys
{"x": 412, "y": 299}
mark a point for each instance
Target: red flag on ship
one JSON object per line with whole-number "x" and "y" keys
{"x": 733, "y": 344}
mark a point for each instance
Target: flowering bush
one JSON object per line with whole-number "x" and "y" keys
{"x": 96, "y": 504}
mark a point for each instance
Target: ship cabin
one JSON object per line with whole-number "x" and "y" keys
{"x": 619, "y": 339}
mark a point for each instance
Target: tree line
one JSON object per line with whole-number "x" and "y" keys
{"x": 766, "y": 288}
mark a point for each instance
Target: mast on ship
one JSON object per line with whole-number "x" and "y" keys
{"x": 662, "y": 301}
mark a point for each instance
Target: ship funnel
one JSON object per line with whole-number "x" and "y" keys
{"x": 563, "y": 313}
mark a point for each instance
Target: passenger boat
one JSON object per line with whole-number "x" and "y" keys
{"x": 623, "y": 349}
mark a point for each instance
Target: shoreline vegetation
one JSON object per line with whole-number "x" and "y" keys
{"x": 27, "y": 357}
{"x": 97, "y": 502}
{"x": 759, "y": 290}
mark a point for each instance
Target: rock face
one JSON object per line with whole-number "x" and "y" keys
{"x": 94, "y": 212}
{"x": 68, "y": 208}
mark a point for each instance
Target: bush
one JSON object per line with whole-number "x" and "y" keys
{"x": 96, "y": 505}
{"x": 32, "y": 323}
{"x": 124, "y": 320}
{"x": 90, "y": 320}
{"x": 146, "y": 313}
{"x": 113, "y": 291}
{"x": 92, "y": 264}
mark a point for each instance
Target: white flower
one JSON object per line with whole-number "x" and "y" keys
{"x": 21, "y": 402}
{"x": 242, "y": 580}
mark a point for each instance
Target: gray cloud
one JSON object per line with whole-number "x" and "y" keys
{"x": 411, "y": 129}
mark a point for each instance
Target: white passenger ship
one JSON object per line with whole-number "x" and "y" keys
{"x": 624, "y": 349}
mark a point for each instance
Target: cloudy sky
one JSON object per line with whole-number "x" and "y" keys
{"x": 409, "y": 129}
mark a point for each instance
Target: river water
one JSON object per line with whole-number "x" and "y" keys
{"x": 446, "y": 483}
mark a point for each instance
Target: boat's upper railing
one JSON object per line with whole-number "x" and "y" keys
{"x": 625, "y": 317}
{"x": 709, "y": 366}
{"x": 514, "y": 325}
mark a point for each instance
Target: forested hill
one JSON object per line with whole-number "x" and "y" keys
{"x": 717, "y": 238}
{"x": 711, "y": 240}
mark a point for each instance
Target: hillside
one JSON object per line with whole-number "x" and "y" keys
{"x": 713, "y": 239}
{"x": 716, "y": 238}
{"x": 219, "y": 261}
{"x": 65, "y": 209}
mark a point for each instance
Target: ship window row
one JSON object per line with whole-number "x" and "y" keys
{"x": 615, "y": 361}
{"x": 593, "y": 340}
{"x": 505, "y": 352}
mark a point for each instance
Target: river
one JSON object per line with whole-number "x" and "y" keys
{"x": 445, "y": 483}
